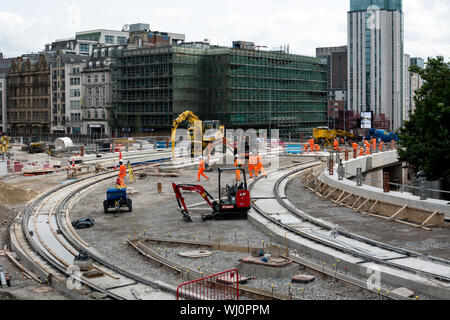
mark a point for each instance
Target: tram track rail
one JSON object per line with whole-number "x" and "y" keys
{"x": 51, "y": 265}
{"x": 316, "y": 236}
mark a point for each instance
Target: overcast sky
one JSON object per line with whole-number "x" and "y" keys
{"x": 26, "y": 26}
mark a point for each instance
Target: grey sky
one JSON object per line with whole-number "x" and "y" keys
{"x": 26, "y": 26}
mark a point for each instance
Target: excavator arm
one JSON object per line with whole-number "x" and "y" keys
{"x": 185, "y": 116}
{"x": 196, "y": 188}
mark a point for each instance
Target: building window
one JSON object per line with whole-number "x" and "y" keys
{"x": 75, "y": 81}
{"x": 96, "y": 78}
{"x": 121, "y": 40}
{"x": 88, "y": 114}
{"x": 103, "y": 115}
{"x": 84, "y": 47}
{"x": 109, "y": 39}
{"x": 89, "y": 79}
{"x": 103, "y": 78}
{"x": 75, "y": 93}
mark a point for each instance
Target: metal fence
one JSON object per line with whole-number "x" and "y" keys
{"x": 82, "y": 139}
{"x": 420, "y": 188}
{"x": 221, "y": 286}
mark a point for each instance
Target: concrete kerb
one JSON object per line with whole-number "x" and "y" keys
{"x": 393, "y": 197}
{"x": 388, "y": 275}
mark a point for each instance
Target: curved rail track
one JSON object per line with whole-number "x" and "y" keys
{"x": 46, "y": 237}
{"x": 322, "y": 234}
{"x": 45, "y": 229}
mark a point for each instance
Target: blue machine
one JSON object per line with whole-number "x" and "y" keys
{"x": 383, "y": 135}
{"x": 117, "y": 198}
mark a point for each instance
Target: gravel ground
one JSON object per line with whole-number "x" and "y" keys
{"x": 157, "y": 214}
{"x": 435, "y": 242}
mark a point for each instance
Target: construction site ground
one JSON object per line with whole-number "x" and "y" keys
{"x": 434, "y": 242}
{"x": 157, "y": 215}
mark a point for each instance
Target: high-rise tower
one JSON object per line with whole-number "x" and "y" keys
{"x": 375, "y": 58}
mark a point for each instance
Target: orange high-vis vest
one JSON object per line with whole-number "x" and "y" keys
{"x": 122, "y": 171}
{"x": 202, "y": 165}
{"x": 238, "y": 163}
{"x": 252, "y": 161}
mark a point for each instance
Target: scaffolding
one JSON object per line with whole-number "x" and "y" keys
{"x": 242, "y": 88}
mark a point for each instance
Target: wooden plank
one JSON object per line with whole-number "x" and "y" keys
{"x": 413, "y": 224}
{"x": 339, "y": 198}
{"x": 359, "y": 208}
{"x": 429, "y": 218}
{"x": 398, "y": 212}
{"x": 359, "y": 198}
{"x": 340, "y": 202}
{"x": 25, "y": 271}
{"x": 373, "y": 206}
{"x": 329, "y": 194}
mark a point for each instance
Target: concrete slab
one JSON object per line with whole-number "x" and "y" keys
{"x": 302, "y": 278}
{"x": 195, "y": 254}
{"x": 405, "y": 292}
{"x": 256, "y": 267}
{"x": 427, "y": 266}
{"x": 143, "y": 292}
{"x": 287, "y": 219}
{"x": 271, "y": 206}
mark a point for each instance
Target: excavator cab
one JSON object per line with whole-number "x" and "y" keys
{"x": 234, "y": 200}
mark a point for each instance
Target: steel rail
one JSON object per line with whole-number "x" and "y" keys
{"x": 365, "y": 257}
{"x": 54, "y": 261}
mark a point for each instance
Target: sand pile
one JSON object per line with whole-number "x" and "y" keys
{"x": 10, "y": 195}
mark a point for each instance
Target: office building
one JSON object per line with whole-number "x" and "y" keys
{"x": 376, "y": 58}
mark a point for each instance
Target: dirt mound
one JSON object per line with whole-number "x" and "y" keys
{"x": 10, "y": 195}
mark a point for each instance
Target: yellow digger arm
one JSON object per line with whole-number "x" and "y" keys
{"x": 185, "y": 116}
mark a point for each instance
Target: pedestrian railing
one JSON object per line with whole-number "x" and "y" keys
{"x": 221, "y": 286}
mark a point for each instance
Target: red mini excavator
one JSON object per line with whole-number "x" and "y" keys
{"x": 234, "y": 201}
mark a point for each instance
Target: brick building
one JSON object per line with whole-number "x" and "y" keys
{"x": 29, "y": 95}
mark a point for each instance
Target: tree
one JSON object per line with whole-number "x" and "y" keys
{"x": 425, "y": 137}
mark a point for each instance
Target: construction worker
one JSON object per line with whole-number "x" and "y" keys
{"x": 366, "y": 144}
{"x": 355, "y": 147}
{"x": 361, "y": 152}
{"x": 381, "y": 146}
{"x": 311, "y": 145}
{"x": 368, "y": 150}
{"x": 336, "y": 144}
{"x": 316, "y": 148}
{"x": 238, "y": 164}
{"x": 374, "y": 144}
{"x": 252, "y": 161}
{"x": 201, "y": 170}
{"x": 260, "y": 165}
{"x": 122, "y": 174}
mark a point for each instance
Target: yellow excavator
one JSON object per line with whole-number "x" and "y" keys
{"x": 4, "y": 145}
{"x": 199, "y": 129}
{"x": 325, "y": 137}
